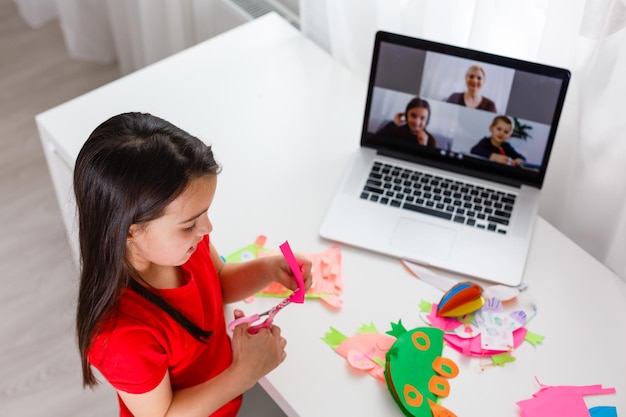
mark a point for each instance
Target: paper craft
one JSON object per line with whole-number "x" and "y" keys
{"x": 462, "y": 299}
{"x": 327, "y": 283}
{"x": 492, "y": 331}
{"x": 365, "y": 351}
{"x": 565, "y": 401}
{"x": 248, "y": 252}
{"x": 416, "y": 373}
{"x": 296, "y": 296}
{"x": 408, "y": 362}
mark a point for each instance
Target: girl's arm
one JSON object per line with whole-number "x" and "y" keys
{"x": 200, "y": 400}
{"x": 243, "y": 279}
{"x": 253, "y": 357}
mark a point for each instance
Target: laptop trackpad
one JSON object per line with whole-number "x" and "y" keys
{"x": 422, "y": 241}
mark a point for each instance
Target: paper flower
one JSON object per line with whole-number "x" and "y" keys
{"x": 491, "y": 331}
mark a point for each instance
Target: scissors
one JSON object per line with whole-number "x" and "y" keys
{"x": 295, "y": 297}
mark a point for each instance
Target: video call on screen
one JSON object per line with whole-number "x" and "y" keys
{"x": 528, "y": 100}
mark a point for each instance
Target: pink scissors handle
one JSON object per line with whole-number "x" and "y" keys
{"x": 267, "y": 323}
{"x": 241, "y": 320}
{"x": 297, "y": 297}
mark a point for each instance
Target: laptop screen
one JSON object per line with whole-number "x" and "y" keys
{"x": 463, "y": 110}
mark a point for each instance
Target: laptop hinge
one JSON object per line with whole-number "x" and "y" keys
{"x": 457, "y": 168}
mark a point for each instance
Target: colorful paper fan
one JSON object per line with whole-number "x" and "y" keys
{"x": 462, "y": 299}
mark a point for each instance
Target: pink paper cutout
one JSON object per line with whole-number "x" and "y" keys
{"x": 473, "y": 346}
{"x": 359, "y": 360}
{"x": 371, "y": 346}
{"x": 471, "y": 343}
{"x": 560, "y": 401}
{"x": 298, "y": 295}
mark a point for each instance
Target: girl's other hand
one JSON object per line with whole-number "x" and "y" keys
{"x": 422, "y": 137}
{"x": 499, "y": 158}
{"x": 255, "y": 355}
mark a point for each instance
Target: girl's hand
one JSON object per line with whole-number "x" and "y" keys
{"x": 422, "y": 137}
{"x": 243, "y": 279}
{"x": 255, "y": 355}
{"x": 398, "y": 119}
{"x": 281, "y": 272}
{"x": 501, "y": 159}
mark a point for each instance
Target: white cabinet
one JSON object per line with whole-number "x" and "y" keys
{"x": 61, "y": 169}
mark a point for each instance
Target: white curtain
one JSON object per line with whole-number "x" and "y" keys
{"x": 585, "y": 187}
{"x": 133, "y": 33}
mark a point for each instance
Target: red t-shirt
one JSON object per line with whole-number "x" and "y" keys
{"x": 136, "y": 347}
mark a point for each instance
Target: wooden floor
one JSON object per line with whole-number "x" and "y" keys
{"x": 39, "y": 366}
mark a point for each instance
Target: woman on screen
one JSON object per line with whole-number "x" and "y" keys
{"x": 472, "y": 97}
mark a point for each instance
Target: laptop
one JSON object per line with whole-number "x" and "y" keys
{"x": 461, "y": 197}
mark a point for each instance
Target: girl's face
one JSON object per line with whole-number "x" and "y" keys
{"x": 500, "y": 132}
{"x": 171, "y": 239}
{"x": 474, "y": 79}
{"x": 416, "y": 118}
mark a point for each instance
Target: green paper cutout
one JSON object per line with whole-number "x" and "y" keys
{"x": 502, "y": 359}
{"x": 533, "y": 338}
{"x": 397, "y": 329}
{"x": 410, "y": 371}
{"x": 378, "y": 361}
{"x": 244, "y": 254}
{"x": 425, "y": 306}
{"x": 334, "y": 338}
{"x": 367, "y": 328}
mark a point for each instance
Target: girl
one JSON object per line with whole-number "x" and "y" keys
{"x": 411, "y": 124}
{"x": 152, "y": 286}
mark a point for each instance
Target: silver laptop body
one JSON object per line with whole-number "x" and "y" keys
{"x": 446, "y": 204}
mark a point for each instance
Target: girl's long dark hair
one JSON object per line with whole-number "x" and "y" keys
{"x": 127, "y": 172}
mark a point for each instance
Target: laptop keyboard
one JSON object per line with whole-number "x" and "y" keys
{"x": 446, "y": 198}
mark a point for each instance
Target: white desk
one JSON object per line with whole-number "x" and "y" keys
{"x": 284, "y": 119}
